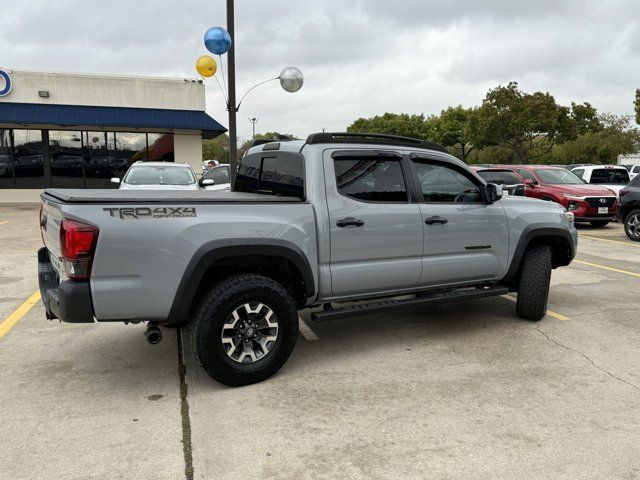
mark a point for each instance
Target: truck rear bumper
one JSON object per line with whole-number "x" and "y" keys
{"x": 68, "y": 301}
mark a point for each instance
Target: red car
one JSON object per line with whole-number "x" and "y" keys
{"x": 589, "y": 203}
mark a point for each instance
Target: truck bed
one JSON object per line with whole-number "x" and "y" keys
{"x": 163, "y": 196}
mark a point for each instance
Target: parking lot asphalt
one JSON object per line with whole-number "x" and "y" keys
{"x": 461, "y": 390}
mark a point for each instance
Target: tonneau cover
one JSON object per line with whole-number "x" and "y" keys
{"x": 162, "y": 196}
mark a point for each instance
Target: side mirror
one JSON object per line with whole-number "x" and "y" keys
{"x": 530, "y": 182}
{"x": 207, "y": 182}
{"x": 493, "y": 193}
{"x": 115, "y": 180}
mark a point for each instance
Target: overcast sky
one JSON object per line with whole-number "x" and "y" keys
{"x": 360, "y": 58}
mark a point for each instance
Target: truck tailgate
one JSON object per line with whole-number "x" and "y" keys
{"x": 50, "y": 219}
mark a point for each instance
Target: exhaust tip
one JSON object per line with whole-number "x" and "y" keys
{"x": 153, "y": 335}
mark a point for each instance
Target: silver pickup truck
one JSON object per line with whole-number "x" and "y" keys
{"x": 346, "y": 222}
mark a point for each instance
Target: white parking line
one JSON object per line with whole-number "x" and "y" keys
{"x": 306, "y": 331}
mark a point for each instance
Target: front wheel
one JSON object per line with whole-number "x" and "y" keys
{"x": 632, "y": 225}
{"x": 244, "y": 329}
{"x": 600, "y": 223}
{"x": 535, "y": 278}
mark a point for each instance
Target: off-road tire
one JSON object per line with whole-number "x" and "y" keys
{"x": 533, "y": 290}
{"x": 205, "y": 327}
{"x": 600, "y": 223}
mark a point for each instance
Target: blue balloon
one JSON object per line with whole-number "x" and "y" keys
{"x": 217, "y": 40}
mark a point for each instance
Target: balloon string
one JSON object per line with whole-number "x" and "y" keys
{"x": 255, "y": 86}
{"x": 224, "y": 82}
{"x": 222, "y": 90}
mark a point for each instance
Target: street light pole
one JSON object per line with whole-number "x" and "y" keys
{"x": 231, "y": 101}
{"x": 253, "y": 121}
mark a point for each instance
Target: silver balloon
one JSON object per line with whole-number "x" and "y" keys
{"x": 291, "y": 79}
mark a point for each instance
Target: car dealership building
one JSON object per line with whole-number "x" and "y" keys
{"x": 78, "y": 131}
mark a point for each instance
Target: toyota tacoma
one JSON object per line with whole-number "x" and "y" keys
{"x": 343, "y": 224}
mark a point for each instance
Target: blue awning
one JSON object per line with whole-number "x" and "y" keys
{"x": 108, "y": 117}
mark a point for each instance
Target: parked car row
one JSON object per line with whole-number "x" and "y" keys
{"x": 596, "y": 204}
{"x": 171, "y": 176}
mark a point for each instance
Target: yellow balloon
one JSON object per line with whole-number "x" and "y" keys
{"x": 206, "y": 66}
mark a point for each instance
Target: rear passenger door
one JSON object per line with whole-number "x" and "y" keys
{"x": 465, "y": 240}
{"x": 375, "y": 227}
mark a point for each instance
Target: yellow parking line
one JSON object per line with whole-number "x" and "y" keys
{"x": 604, "y": 267}
{"x": 20, "y": 312}
{"x": 551, "y": 313}
{"x": 628, "y": 244}
{"x": 2, "y": 223}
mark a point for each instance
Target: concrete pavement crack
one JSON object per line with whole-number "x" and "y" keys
{"x": 586, "y": 357}
{"x": 184, "y": 412}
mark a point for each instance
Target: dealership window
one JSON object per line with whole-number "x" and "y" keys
{"x": 65, "y": 155}
{"x": 28, "y": 159}
{"x": 6, "y": 160}
{"x": 75, "y": 159}
{"x": 161, "y": 147}
{"x": 131, "y": 147}
{"x": 99, "y": 158}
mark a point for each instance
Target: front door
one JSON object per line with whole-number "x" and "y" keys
{"x": 465, "y": 239}
{"x": 376, "y": 230}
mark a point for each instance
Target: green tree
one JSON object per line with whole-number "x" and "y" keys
{"x": 415, "y": 126}
{"x": 616, "y": 136}
{"x": 529, "y": 124}
{"x": 457, "y": 128}
{"x": 637, "y": 106}
{"x": 216, "y": 149}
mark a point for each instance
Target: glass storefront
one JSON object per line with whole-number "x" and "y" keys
{"x": 28, "y": 159}
{"x": 65, "y": 154}
{"x": 75, "y": 159}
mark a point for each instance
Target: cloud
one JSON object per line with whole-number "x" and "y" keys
{"x": 360, "y": 58}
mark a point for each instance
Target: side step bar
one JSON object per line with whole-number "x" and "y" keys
{"x": 419, "y": 299}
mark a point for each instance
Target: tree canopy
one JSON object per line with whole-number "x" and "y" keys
{"x": 514, "y": 126}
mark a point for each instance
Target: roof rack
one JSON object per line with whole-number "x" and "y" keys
{"x": 374, "y": 138}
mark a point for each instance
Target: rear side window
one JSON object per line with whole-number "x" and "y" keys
{"x": 220, "y": 175}
{"x": 280, "y": 173}
{"x": 579, "y": 172}
{"x": 526, "y": 174}
{"x": 371, "y": 179}
{"x": 500, "y": 177}
{"x": 636, "y": 169}
{"x": 610, "y": 175}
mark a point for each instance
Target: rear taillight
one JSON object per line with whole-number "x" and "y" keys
{"x": 77, "y": 247}
{"x": 623, "y": 192}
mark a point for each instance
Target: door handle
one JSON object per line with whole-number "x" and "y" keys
{"x": 436, "y": 219}
{"x": 349, "y": 222}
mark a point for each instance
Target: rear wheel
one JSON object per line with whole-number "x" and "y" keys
{"x": 244, "y": 329}
{"x": 533, "y": 290}
{"x": 600, "y": 223}
{"x": 632, "y": 225}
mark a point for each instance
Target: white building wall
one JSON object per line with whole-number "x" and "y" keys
{"x": 188, "y": 149}
{"x": 106, "y": 90}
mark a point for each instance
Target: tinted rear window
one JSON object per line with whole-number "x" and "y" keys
{"x": 272, "y": 173}
{"x": 500, "y": 177}
{"x": 616, "y": 176}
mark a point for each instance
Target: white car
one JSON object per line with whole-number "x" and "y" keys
{"x": 158, "y": 176}
{"x": 614, "y": 177}
{"x": 633, "y": 170}
{"x": 216, "y": 179}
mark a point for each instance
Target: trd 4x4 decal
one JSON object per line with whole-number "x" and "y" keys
{"x": 133, "y": 213}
